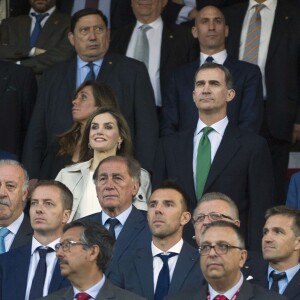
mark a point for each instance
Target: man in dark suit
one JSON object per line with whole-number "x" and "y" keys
{"x": 84, "y": 252}
{"x": 278, "y": 59}
{"x": 13, "y": 196}
{"x": 117, "y": 181}
{"x": 222, "y": 255}
{"x": 170, "y": 45}
{"x": 178, "y": 110}
{"x": 140, "y": 272}
{"x": 281, "y": 249}
{"x": 52, "y": 43}
{"x": 239, "y": 163}
{"x": 128, "y": 79}
{"x": 17, "y": 98}
{"x": 21, "y": 275}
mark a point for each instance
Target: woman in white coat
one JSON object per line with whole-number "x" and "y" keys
{"x": 106, "y": 134}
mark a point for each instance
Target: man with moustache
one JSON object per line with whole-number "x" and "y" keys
{"x": 37, "y": 40}
{"x": 142, "y": 272}
{"x": 15, "y": 225}
{"x": 32, "y": 271}
{"x": 84, "y": 253}
{"x": 222, "y": 255}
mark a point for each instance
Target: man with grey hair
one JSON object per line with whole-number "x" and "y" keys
{"x": 217, "y": 156}
{"x": 15, "y": 225}
{"x": 117, "y": 182}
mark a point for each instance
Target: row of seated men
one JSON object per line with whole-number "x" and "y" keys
{"x": 272, "y": 102}
{"x": 44, "y": 254}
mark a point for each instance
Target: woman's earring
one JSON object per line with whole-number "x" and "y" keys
{"x": 119, "y": 145}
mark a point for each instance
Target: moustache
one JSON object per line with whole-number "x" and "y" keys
{"x": 5, "y": 201}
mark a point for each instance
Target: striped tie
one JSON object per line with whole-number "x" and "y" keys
{"x": 253, "y": 36}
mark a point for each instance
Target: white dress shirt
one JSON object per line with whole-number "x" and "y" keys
{"x": 158, "y": 263}
{"x": 267, "y": 20}
{"x": 51, "y": 260}
{"x": 154, "y": 36}
{"x": 214, "y": 136}
{"x": 219, "y": 58}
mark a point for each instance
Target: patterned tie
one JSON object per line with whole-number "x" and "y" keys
{"x": 203, "y": 161}
{"x": 141, "y": 51}
{"x": 91, "y": 74}
{"x": 37, "y": 28}
{"x": 276, "y": 278}
{"x": 37, "y": 286}
{"x": 91, "y": 4}
{"x": 253, "y": 36}
{"x": 83, "y": 296}
{"x": 112, "y": 224}
{"x": 163, "y": 280}
{"x": 220, "y": 297}
{"x": 3, "y": 233}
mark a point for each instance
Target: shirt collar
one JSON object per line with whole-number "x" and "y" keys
{"x": 49, "y": 11}
{"x": 122, "y": 217}
{"x": 290, "y": 273}
{"x": 36, "y": 244}
{"x": 93, "y": 291}
{"x": 81, "y": 63}
{"x": 270, "y": 4}
{"x": 219, "y": 127}
{"x": 176, "y": 248}
{"x": 155, "y": 24}
{"x": 228, "y": 294}
{"x": 219, "y": 57}
{"x": 14, "y": 226}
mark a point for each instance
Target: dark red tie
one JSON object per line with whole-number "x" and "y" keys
{"x": 91, "y": 4}
{"x": 83, "y": 296}
{"x": 220, "y": 297}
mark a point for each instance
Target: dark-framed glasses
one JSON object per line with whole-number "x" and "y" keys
{"x": 212, "y": 216}
{"x": 66, "y": 245}
{"x": 220, "y": 248}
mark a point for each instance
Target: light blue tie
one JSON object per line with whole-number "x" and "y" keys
{"x": 3, "y": 233}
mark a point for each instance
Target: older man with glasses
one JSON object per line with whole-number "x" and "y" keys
{"x": 222, "y": 250}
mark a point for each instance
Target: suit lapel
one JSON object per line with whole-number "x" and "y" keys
{"x": 106, "y": 292}
{"x": 225, "y": 153}
{"x": 292, "y": 291}
{"x": 23, "y": 235}
{"x": 144, "y": 268}
{"x": 4, "y": 79}
{"x": 165, "y": 45}
{"x": 186, "y": 261}
{"x": 246, "y": 292}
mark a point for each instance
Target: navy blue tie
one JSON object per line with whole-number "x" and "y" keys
{"x": 112, "y": 224}
{"x": 209, "y": 59}
{"x": 276, "y": 278}
{"x": 163, "y": 280}
{"x": 91, "y": 74}
{"x": 38, "y": 281}
{"x": 37, "y": 28}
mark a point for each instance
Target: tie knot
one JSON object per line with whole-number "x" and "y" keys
{"x": 113, "y": 222}
{"x": 82, "y": 296}
{"x": 207, "y": 130}
{"x": 4, "y": 232}
{"x": 220, "y": 297}
{"x": 145, "y": 28}
{"x": 209, "y": 59}
{"x": 39, "y": 17}
{"x": 165, "y": 257}
{"x": 277, "y": 276}
{"x": 44, "y": 251}
{"x": 259, "y": 7}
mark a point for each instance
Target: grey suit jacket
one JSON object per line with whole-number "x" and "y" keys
{"x": 248, "y": 291}
{"x": 15, "y": 41}
{"x": 108, "y": 291}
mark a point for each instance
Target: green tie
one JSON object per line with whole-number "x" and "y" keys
{"x": 203, "y": 161}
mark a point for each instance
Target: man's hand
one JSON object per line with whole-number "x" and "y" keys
{"x": 39, "y": 51}
{"x": 296, "y": 133}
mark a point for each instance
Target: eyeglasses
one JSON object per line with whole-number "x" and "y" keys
{"x": 212, "y": 216}
{"x": 66, "y": 245}
{"x": 220, "y": 249}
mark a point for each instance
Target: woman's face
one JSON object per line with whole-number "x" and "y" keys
{"x": 104, "y": 133}
{"x": 83, "y": 105}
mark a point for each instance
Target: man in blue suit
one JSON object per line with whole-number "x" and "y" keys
{"x": 50, "y": 207}
{"x": 140, "y": 272}
{"x": 117, "y": 181}
{"x": 237, "y": 164}
{"x": 178, "y": 110}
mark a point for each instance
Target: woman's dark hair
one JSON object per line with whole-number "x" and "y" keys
{"x": 126, "y": 148}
